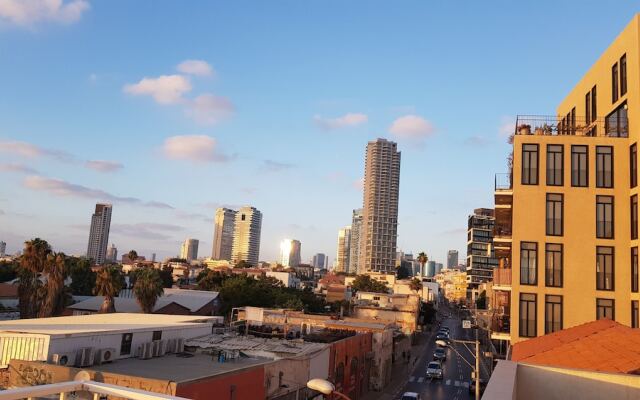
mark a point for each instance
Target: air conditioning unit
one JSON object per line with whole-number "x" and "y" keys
{"x": 84, "y": 357}
{"x": 63, "y": 359}
{"x": 179, "y": 345}
{"x": 159, "y": 348}
{"x": 171, "y": 345}
{"x": 146, "y": 350}
{"x": 105, "y": 356}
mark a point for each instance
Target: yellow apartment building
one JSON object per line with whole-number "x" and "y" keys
{"x": 566, "y": 232}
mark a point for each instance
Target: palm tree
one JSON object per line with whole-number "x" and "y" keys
{"x": 415, "y": 285}
{"x": 132, "y": 255}
{"x": 422, "y": 259}
{"x": 56, "y": 271}
{"x": 148, "y": 288}
{"x": 32, "y": 264}
{"x": 109, "y": 282}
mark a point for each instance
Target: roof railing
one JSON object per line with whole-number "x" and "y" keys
{"x": 615, "y": 126}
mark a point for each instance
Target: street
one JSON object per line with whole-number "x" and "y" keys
{"x": 456, "y": 372}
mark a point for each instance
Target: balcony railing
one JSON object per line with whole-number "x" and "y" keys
{"x": 615, "y": 126}
{"x": 96, "y": 389}
{"x": 502, "y": 276}
{"x": 500, "y": 323}
{"x": 503, "y": 181}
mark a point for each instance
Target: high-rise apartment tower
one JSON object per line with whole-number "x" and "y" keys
{"x": 246, "y": 236}
{"x": 99, "y": 233}
{"x": 224, "y": 226}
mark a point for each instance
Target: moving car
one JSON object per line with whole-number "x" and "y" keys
{"x": 434, "y": 370}
{"x": 442, "y": 336}
{"x": 440, "y": 354}
{"x": 411, "y": 396}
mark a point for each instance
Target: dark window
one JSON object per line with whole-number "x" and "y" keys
{"x": 617, "y": 123}
{"x": 614, "y": 83}
{"x": 634, "y": 313}
{"x": 157, "y": 335}
{"x": 555, "y": 162}
{"x": 528, "y": 315}
{"x": 604, "y": 217}
{"x": 552, "y": 313}
{"x": 587, "y": 107}
{"x": 125, "y": 344}
{"x": 579, "y": 166}
{"x": 594, "y": 104}
{"x": 634, "y": 269}
{"x": 634, "y": 216}
{"x": 623, "y": 75}
{"x": 529, "y": 164}
{"x": 604, "y": 166}
{"x": 605, "y": 269}
{"x": 554, "y": 214}
{"x": 633, "y": 165}
{"x": 528, "y": 263}
{"x": 553, "y": 265}
{"x": 573, "y": 121}
{"x": 605, "y": 308}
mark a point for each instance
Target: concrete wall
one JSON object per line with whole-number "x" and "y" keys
{"x": 246, "y": 384}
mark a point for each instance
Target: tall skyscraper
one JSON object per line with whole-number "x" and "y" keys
{"x": 112, "y": 253}
{"x": 3, "y": 249}
{"x": 290, "y": 252}
{"x": 344, "y": 249}
{"x": 246, "y": 236}
{"x": 430, "y": 269}
{"x": 480, "y": 253}
{"x": 224, "y": 225}
{"x": 354, "y": 249}
{"x": 379, "y": 231}
{"x": 452, "y": 259}
{"x": 99, "y": 233}
{"x": 320, "y": 260}
{"x": 189, "y": 249}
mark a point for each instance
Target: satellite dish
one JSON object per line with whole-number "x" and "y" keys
{"x": 82, "y": 376}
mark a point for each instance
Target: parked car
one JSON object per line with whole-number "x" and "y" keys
{"x": 442, "y": 336}
{"x": 434, "y": 370}
{"x": 411, "y": 396}
{"x": 440, "y": 354}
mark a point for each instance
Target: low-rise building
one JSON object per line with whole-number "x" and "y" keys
{"x": 402, "y": 310}
{"x": 453, "y": 284}
{"x": 288, "y": 278}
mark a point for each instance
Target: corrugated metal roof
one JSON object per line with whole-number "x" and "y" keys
{"x": 192, "y": 300}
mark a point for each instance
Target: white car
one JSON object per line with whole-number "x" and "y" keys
{"x": 434, "y": 370}
{"x": 411, "y": 396}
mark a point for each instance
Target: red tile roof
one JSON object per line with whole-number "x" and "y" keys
{"x": 603, "y": 345}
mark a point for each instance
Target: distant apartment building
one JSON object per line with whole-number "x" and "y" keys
{"x": 481, "y": 259}
{"x": 452, "y": 258}
{"x": 99, "y": 233}
{"x": 567, "y": 212}
{"x": 379, "y": 231}
{"x": 112, "y": 253}
{"x": 3, "y": 249}
{"x": 344, "y": 250}
{"x": 320, "y": 260}
{"x": 430, "y": 269}
{"x": 224, "y": 226}
{"x": 354, "y": 249}
{"x": 290, "y": 252}
{"x": 246, "y": 236}
{"x": 189, "y": 249}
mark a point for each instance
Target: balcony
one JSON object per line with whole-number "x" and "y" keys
{"x": 503, "y": 181}
{"x": 616, "y": 125}
{"x": 502, "y": 279}
{"x": 500, "y": 327}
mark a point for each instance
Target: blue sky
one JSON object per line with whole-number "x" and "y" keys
{"x": 273, "y": 109}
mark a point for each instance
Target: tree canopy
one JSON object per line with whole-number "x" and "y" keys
{"x": 148, "y": 288}
{"x": 364, "y": 283}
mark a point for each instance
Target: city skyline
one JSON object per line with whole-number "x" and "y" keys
{"x": 334, "y": 118}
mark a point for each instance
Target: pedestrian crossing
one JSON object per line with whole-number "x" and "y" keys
{"x": 448, "y": 382}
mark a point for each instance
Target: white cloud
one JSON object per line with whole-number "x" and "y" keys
{"x": 412, "y": 127}
{"x": 209, "y": 109}
{"x": 195, "y": 67}
{"x": 165, "y": 89}
{"x": 29, "y": 150}
{"x": 200, "y": 148}
{"x": 21, "y": 168}
{"x": 28, "y": 12}
{"x": 347, "y": 120}
{"x": 103, "y": 165}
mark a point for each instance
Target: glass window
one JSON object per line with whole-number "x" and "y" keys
{"x": 528, "y": 263}
{"x": 554, "y": 214}
{"x": 623, "y": 75}
{"x": 579, "y": 166}
{"x": 604, "y": 217}
{"x": 605, "y": 269}
{"x": 634, "y": 269}
{"x": 633, "y": 165}
{"x": 634, "y": 314}
{"x": 552, "y": 314}
{"x": 617, "y": 123}
{"x": 634, "y": 216}
{"x": 573, "y": 121}
{"x": 605, "y": 308}
{"x": 594, "y": 104}
{"x": 125, "y": 344}
{"x": 157, "y": 335}
{"x": 555, "y": 161}
{"x": 604, "y": 166}
{"x": 529, "y": 164}
{"x": 553, "y": 265}
{"x": 527, "y": 315}
{"x": 587, "y": 107}
{"x": 614, "y": 83}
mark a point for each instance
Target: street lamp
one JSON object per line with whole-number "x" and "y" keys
{"x": 325, "y": 387}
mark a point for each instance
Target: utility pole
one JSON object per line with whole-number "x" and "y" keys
{"x": 477, "y": 366}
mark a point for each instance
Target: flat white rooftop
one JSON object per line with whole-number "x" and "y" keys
{"x": 96, "y": 323}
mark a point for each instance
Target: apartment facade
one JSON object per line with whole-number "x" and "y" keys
{"x": 354, "y": 250}
{"x": 452, "y": 258}
{"x": 189, "y": 249}
{"x": 378, "y": 235}
{"x": 290, "y": 252}
{"x": 344, "y": 249}
{"x": 224, "y": 226}
{"x": 246, "y": 236}
{"x": 577, "y": 172}
{"x": 480, "y": 255}
{"x": 99, "y": 233}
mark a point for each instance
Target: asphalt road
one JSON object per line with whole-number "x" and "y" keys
{"x": 457, "y": 373}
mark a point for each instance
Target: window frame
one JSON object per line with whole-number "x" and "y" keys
{"x": 603, "y": 272}
{"x": 550, "y": 228}
{"x": 635, "y": 313}
{"x": 125, "y": 343}
{"x": 635, "y": 273}
{"x": 633, "y": 165}
{"x": 523, "y": 281}
{"x": 615, "y": 94}
{"x": 633, "y": 216}
{"x": 599, "y": 306}
{"x": 600, "y": 204}
{"x": 552, "y": 159}
{"x": 547, "y": 320}
{"x": 531, "y": 179}
{"x": 601, "y": 158}
{"x": 552, "y": 278}
{"x": 623, "y": 75}
{"x": 579, "y": 155}
{"x": 528, "y": 321}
